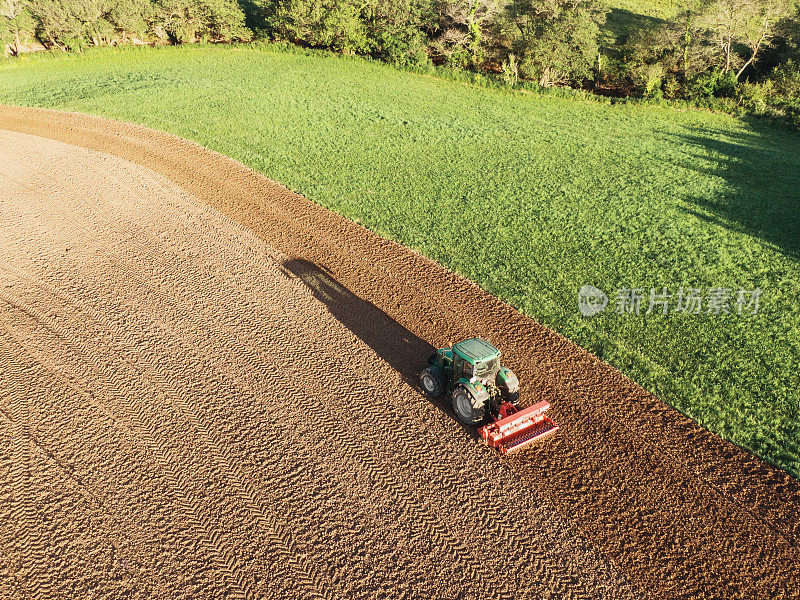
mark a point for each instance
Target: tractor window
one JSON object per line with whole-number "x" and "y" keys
{"x": 486, "y": 368}
{"x": 466, "y": 368}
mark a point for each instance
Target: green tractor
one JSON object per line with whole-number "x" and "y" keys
{"x": 483, "y": 391}
{"x": 471, "y": 374}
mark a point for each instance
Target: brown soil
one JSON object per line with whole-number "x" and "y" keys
{"x": 208, "y": 389}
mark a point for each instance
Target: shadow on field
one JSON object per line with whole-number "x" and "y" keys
{"x": 402, "y": 350}
{"x": 762, "y": 177}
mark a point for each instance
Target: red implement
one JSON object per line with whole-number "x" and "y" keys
{"x": 518, "y": 429}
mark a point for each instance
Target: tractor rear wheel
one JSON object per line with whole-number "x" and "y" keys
{"x": 432, "y": 381}
{"x": 465, "y": 411}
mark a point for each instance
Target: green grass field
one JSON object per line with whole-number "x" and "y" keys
{"x": 531, "y": 197}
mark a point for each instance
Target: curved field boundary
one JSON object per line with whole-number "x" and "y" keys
{"x": 681, "y": 512}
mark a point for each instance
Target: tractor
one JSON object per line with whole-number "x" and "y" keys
{"x": 485, "y": 394}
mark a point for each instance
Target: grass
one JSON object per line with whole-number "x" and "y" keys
{"x": 531, "y": 197}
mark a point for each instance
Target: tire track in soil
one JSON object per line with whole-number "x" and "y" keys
{"x": 392, "y": 427}
{"x": 15, "y": 590}
{"x": 26, "y": 547}
{"x": 399, "y": 494}
{"x": 161, "y": 384}
{"x": 13, "y": 344}
{"x": 75, "y": 483}
{"x": 65, "y": 335}
{"x": 61, "y": 332}
{"x": 17, "y": 491}
{"x": 356, "y": 445}
{"x": 280, "y": 539}
{"x": 132, "y": 420}
{"x": 135, "y": 419}
{"x": 150, "y": 373}
{"x": 228, "y": 567}
{"x": 589, "y": 398}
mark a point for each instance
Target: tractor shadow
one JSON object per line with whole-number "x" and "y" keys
{"x": 397, "y": 346}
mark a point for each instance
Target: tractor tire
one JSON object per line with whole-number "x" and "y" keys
{"x": 432, "y": 381}
{"x": 513, "y": 397}
{"x": 465, "y": 411}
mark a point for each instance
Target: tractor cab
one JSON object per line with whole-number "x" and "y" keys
{"x": 476, "y": 358}
{"x": 473, "y": 366}
{"x": 471, "y": 361}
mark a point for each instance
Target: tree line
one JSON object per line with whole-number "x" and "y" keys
{"x": 78, "y": 24}
{"x": 745, "y": 49}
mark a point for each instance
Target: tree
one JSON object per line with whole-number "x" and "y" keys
{"x": 556, "y": 39}
{"x": 226, "y": 21}
{"x": 183, "y": 19}
{"x": 71, "y": 24}
{"x": 14, "y": 21}
{"x": 679, "y": 49}
{"x": 57, "y": 25}
{"x": 786, "y": 78}
{"x": 749, "y": 23}
{"x": 689, "y": 41}
{"x": 90, "y": 14}
{"x": 760, "y": 20}
{"x": 331, "y": 24}
{"x": 723, "y": 18}
{"x": 397, "y": 29}
{"x": 131, "y": 18}
{"x": 387, "y": 29}
{"x": 186, "y": 21}
{"x": 463, "y": 25}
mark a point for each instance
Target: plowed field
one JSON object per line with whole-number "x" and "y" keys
{"x": 208, "y": 389}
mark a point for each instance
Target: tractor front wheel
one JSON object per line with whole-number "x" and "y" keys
{"x": 432, "y": 381}
{"x": 465, "y": 411}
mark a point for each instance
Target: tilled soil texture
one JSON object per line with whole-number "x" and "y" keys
{"x": 209, "y": 389}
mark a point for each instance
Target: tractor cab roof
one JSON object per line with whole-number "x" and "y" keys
{"x": 476, "y": 350}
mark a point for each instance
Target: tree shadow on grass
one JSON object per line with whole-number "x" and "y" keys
{"x": 761, "y": 172}
{"x": 397, "y": 346}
